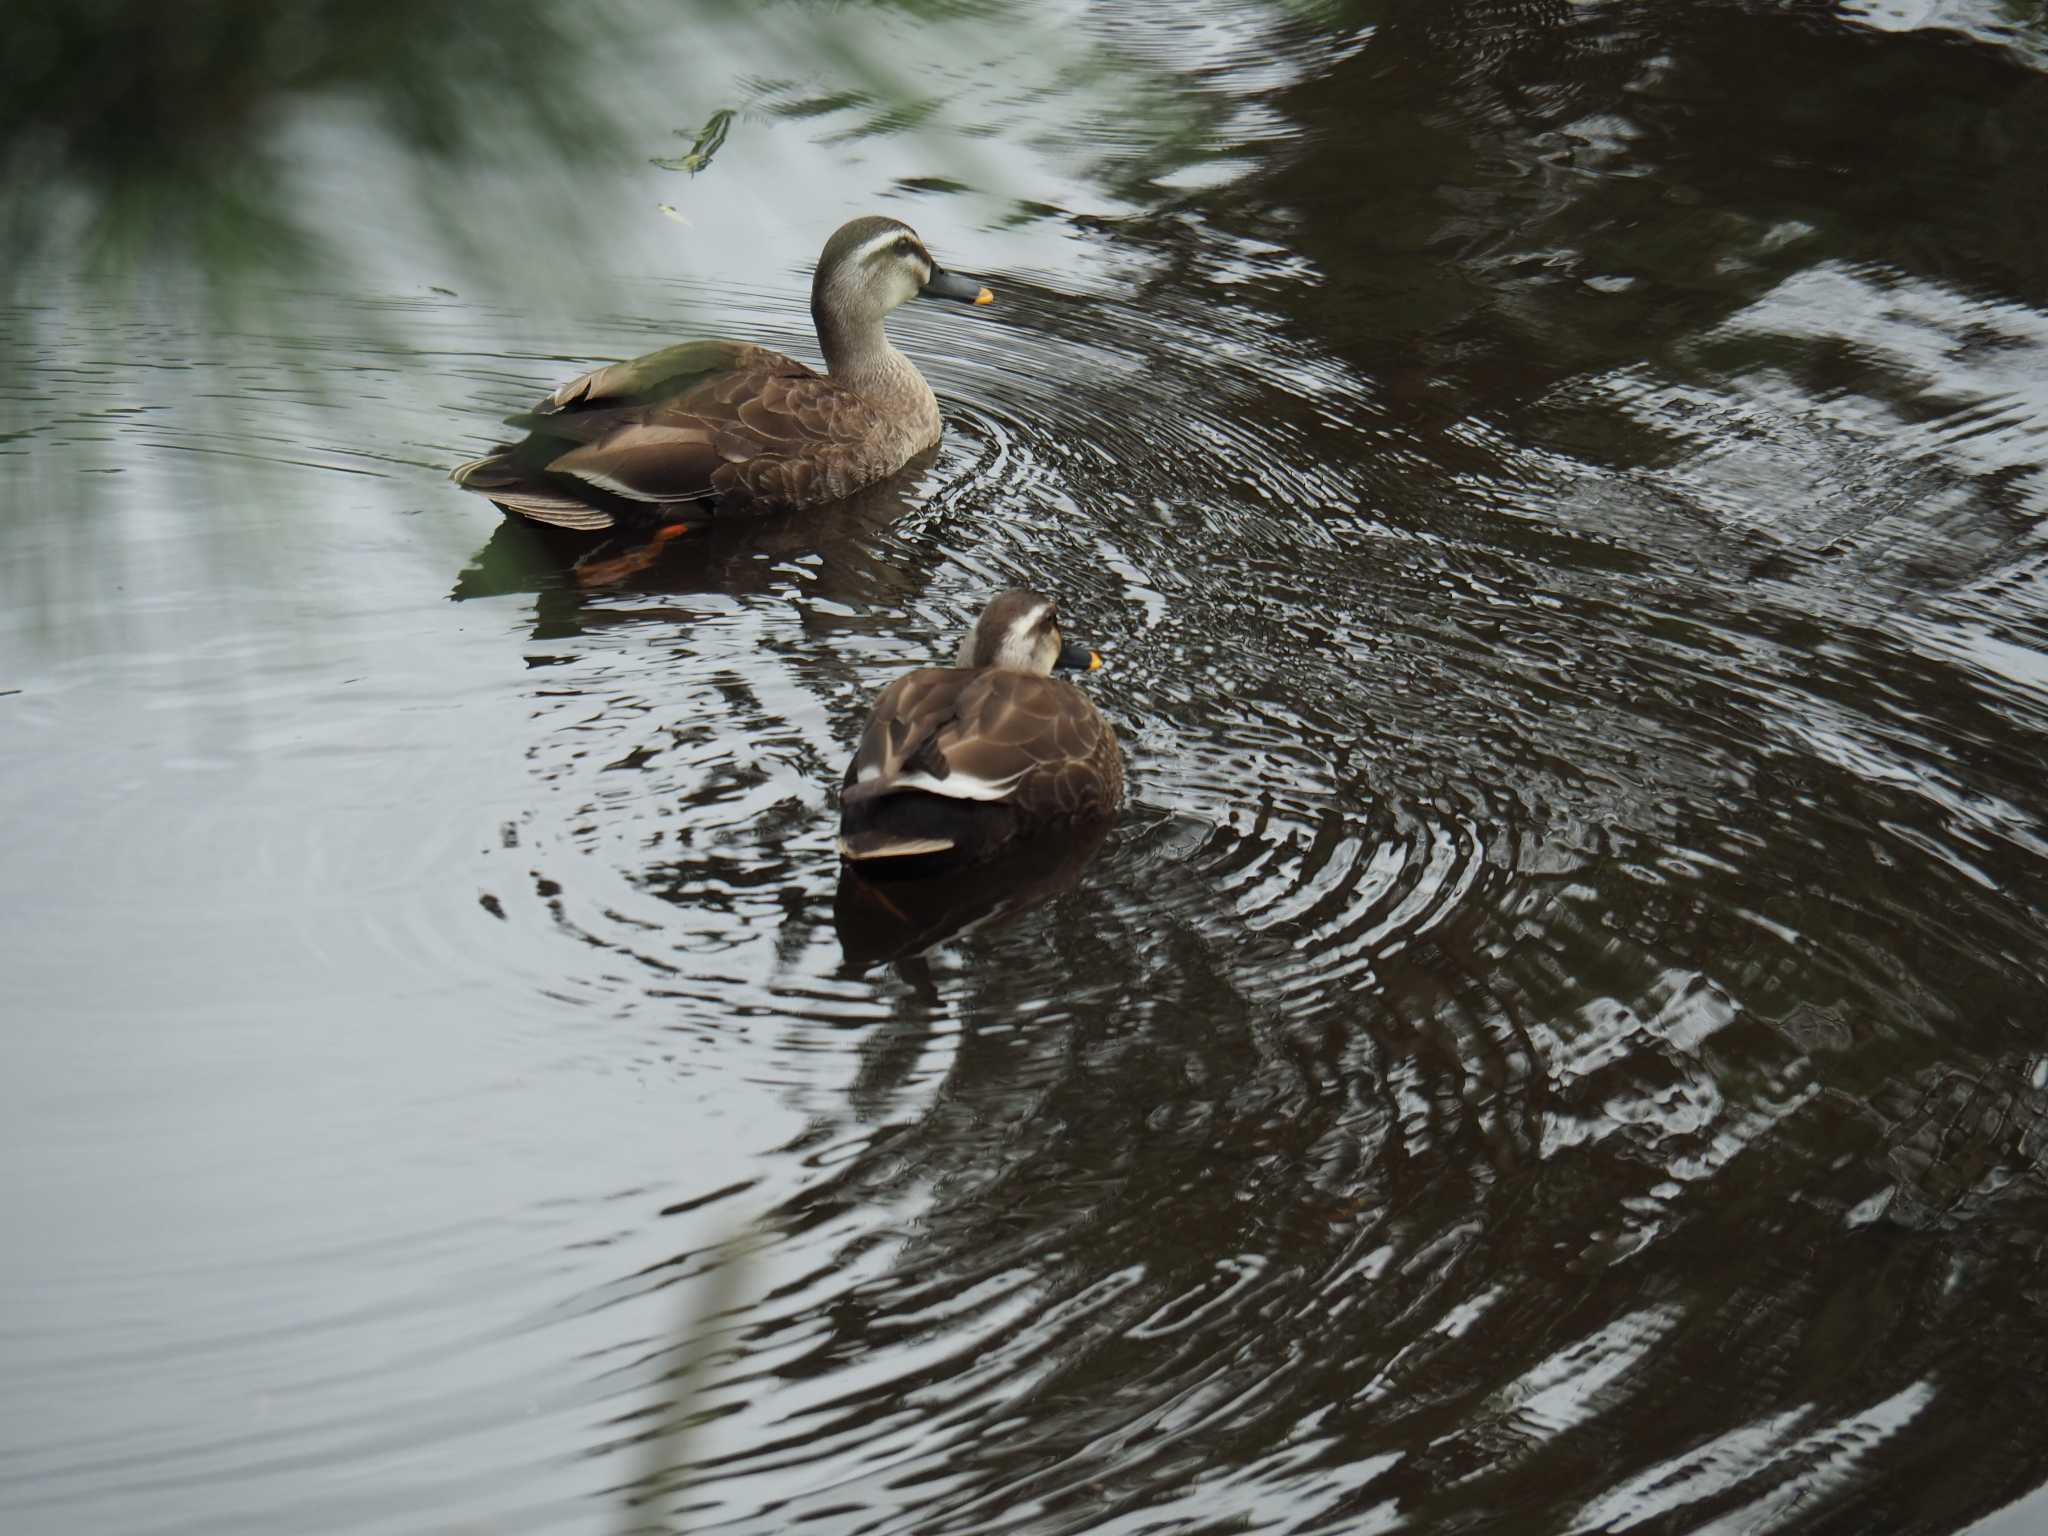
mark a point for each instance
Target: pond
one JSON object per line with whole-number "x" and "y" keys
{"x": 1557, "y": 1040}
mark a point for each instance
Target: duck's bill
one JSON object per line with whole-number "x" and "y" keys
{"x": 951, "y": 285}
{"x": 1079, "y": 658}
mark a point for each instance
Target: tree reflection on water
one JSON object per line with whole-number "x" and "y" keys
{"x": 184, "y": 139}
{"x": 138, "y": 132}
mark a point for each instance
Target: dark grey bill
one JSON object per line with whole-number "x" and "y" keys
{"x": 950, "y": 285}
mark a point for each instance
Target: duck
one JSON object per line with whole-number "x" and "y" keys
{"x": 653, "y": 444}
{"x": 959, "y": 763}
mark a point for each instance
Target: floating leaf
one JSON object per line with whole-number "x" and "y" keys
{"x": 704, "y": 145}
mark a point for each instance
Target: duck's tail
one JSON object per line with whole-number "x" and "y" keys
{"x": 500, "y": 476}
{"x": 873, "y": 844}
{"x": 910, "y": 825}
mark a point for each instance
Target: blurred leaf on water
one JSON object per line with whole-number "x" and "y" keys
{"x": 704, "y": 144}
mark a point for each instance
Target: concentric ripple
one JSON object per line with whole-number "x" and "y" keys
{"x": 1375, "y": 1115}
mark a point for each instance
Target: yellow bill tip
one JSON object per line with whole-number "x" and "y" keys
{"x": 1095, "y": 661}
{"x": 984, "y": 297}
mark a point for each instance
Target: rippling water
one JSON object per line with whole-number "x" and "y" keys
{"x": 1554, "y": 1044}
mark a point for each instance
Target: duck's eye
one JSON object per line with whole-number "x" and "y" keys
{"x": 906, "y": 247}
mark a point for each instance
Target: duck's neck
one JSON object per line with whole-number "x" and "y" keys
{"x": 860, "y": 358}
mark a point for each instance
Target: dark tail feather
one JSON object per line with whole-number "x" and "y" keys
{"x": 495, "y": 470}
{"x": 500, "y": 476}
{"x": 909, "y": 825}
{"x": 862, "y": 846}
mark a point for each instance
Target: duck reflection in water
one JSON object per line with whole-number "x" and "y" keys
{"x": 882, "y": 918}
{"x": 979, "y": 783}
{"x": 735, "y": 557}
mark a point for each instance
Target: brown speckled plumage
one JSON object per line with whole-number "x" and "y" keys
{"x": 667, "y": 437}
{"x": 962, "y": 760}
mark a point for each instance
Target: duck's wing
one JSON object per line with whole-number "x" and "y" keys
{"x": 1040, "y": 735}
{"x": 782, "y": 439}
{"x": 987, "y": 736}
{"x": 657, "y": 375}
{"x": 660, "y": 433}
{"x": 907, "y": 716}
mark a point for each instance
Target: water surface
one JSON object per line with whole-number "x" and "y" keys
{"x": 1554, "y": 1044}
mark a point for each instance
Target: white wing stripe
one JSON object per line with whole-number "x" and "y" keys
{"x": 960, "y": 786}
{"x": 605, "y": 482}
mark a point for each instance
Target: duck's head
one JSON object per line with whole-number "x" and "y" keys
{"x": 872, "y": 264}
{"x": 1020, "y": 632}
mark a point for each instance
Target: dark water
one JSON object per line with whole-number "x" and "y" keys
{"x": 1556, "y": 1043}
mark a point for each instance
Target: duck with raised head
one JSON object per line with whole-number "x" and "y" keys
{"x": 959, "y": 762}
{"x": 658, "y": 442}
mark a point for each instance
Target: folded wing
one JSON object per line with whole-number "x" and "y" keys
{"x": 965, "y": 738}
{"x": 655, "y": 437}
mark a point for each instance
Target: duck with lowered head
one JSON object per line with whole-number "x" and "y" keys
{"x": 959, "y": 762}
{"x": 655, "y": 443}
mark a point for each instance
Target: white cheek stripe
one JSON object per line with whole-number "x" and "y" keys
{"x": 1019, "y": 647}
{"x": 960, "y": 786}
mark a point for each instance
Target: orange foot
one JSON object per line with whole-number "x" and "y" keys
{"x": 605, "y": 573}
